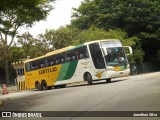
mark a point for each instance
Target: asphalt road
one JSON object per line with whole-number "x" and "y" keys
{"x": 134, "y": 93}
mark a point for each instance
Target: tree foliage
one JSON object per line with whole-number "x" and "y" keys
{"x": 61, "y": 37}
{"x": 133, "y": 16}
{"x": 33, "y": 47}
{"x": 94, "y": 33}
{"x": 16, "y": 53}
{"x": 15, "y": 14}
{"x": 139, "y": 18}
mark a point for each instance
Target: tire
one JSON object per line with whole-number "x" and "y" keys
{"x": 44, "y": 85}
{"x": 108, "y": 80}
{"x": 38, "y": 86}
{"x": 88, "y": 78}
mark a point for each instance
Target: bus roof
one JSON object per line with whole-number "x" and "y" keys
{"x": 61, "y": 50}
{"x": 52, "y": 53}
{"x": 90, "y": 42}
{"x": 67, "y": 48}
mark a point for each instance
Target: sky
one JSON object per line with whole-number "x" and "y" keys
{"x": 59, "y": 16}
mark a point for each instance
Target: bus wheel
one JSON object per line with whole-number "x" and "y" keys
{"x": 38, "y": 86}
{"x": 44, "y": 85}
{"x": 88, "y": 78}
{"x": 108, "y": 80}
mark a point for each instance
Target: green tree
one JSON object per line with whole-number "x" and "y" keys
{"x": 151, "y": 45}
{"x": 16, "y": 53}
{"x": 139, "y": 18}
{"x": 26, "y": 41}
{"x": 15, "y": 14}
{"x": 133, "y": 16}
{"x": 61, "y": 37}
{"x": 33, "y": 47}
{"x": 94, "y": 33}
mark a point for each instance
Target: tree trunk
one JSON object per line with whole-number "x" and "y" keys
{"x": 7, "y": 72}
{"x": 6, "y": 68}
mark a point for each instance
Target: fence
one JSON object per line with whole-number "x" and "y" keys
{"x": 145, "y": 67}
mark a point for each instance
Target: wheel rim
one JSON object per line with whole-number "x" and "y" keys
{"x": 38, "y": 86}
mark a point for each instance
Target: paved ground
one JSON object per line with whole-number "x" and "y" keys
{"x": 134, "y": 93}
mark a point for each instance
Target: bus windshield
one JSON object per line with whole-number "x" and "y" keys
{"x": 116, "y": 57}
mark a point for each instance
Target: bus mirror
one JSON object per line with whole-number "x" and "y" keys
{"x": 128, "y": 50}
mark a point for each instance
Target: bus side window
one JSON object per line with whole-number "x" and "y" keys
{"x": 40, "y": 63}
{"x": 83, "y": 52}
{"x": 74, "y": 57}
{"x": 81, "y": 56}
{"x": 62, "y": 58}
{"x": 27, "y": 67}
{"x": 50, "y": 61}
{"x": 68, "y": 59}
{"x": 33, "y": 65}
{"x": 57, "y": 61}
{"x": 20, "y": 71}
{"x": 71, "y": 55}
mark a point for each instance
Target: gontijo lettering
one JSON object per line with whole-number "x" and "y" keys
{"x": 48, "y": 70}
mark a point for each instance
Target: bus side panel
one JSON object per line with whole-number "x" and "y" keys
{"x": 67, "y": 73}
{"x": 75, "y": 71}
{"x": 71, "y": 70}
{"x": 63, "y": 72}
{"x": 49, "y": 74}
{"x": 54, "y": 75}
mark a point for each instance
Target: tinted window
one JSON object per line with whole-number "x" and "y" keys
{"x": 50, "y": 61}
{"x": 27, "y": 67}
{"x": 116, "y": 57}
{"x": 71, "y": 55}
{"x": 61, "y": 58}
{"x": 41, "y": 63}
{"x": 97, "y": 56}
{"x": 79, "y": 53}
{"x": 33, "y": 65}
{"x": 82, "y": 52}
{"x": 20, "y": 71}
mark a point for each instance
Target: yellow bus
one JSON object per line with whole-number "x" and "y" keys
{"x": 95, "y": 60}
